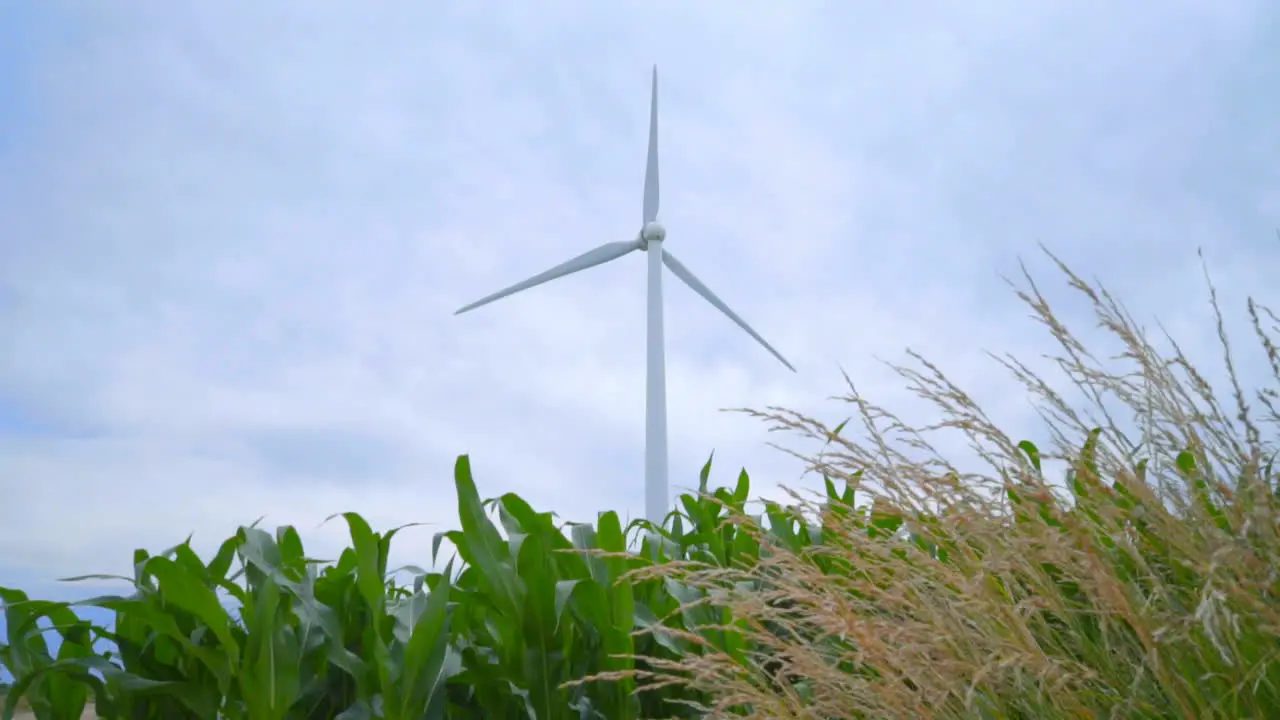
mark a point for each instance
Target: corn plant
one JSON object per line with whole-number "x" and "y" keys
{"x": 296, "y": 642}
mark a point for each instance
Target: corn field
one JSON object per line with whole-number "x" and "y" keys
{"x": 534, "y": 608}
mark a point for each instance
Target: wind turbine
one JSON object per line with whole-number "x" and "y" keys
{"x": 650, "y": 239}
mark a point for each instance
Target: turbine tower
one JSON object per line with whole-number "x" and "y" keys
{"x": 650, "y": 239}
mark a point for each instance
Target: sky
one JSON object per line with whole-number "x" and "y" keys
{"x": 233, "y": 236}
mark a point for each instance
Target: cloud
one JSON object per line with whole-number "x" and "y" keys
{"x": 233, "y": 238}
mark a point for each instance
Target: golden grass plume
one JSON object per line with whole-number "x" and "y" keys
{"x": 1146, "y": 583}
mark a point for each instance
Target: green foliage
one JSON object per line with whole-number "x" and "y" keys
{"x": 598, "y": 621}
{"x": 591, "y": 621}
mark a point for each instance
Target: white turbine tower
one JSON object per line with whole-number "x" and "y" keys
{"x": 649, "y": 239}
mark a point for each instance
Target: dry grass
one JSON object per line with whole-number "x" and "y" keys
{"x": 1145, "y": 585}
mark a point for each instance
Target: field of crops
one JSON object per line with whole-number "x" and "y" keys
{"x": 536, "y": 606}
{"x": 1145, "y": 583}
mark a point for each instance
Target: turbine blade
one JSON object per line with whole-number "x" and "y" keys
{"x": 693, "y": 282}
{"x": 591, "y": 258}
{"x": 651, "y": 166}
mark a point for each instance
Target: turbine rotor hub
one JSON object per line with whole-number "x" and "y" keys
{"x": 653, "y": 231}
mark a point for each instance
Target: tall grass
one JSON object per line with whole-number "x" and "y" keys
{"x": 1145, "y": 583}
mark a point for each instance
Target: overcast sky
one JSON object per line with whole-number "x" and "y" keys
{"x": 233, "y": 235}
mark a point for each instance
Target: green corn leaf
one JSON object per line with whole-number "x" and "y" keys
{"x": 367, "y": 554}
{"x": 481, "y": 545}
{"x": 705, "y": 474}
{"x": 180, "y": 588}
{"x": 429, "y": 661}
{"x": 1032, "y": 452}
{"x": 741, "y": 490}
